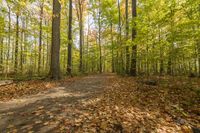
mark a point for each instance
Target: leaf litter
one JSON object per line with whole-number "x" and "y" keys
{"x": 131, "y": 106}
{"x": 128, "y": 105}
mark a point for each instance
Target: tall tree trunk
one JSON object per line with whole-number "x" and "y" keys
{"x": 40, "y": 36}
{"x": 55, "y": 48}
{"x": 25, "y": 41}
{"x": 69, "y": 60}
{"x": 21, "y": 47}
{"x": 198, "y": 55}
{"x": 147, "y": 57}
{"x": 111, "y": 30}
{"x": 48, "y": 49}
{"x": 87, "y": 48}
{"x": 1, "y": 55}
{"x": 127, "y": 36}
{"x": 80, "y": 8}
{"x": 81, "y": 47}
{"x": 16, "y": 43}
{"x": 9, "y": 29}
{"x": 43, "y": 57}
{"x": 120, "y": 59}
{"x": 161, "y": 55}
{"x": 36, "y": 52}
{"x": 104, "y": 59}
{"x": 133, "y": 70}
{"x": 198, "y": 44}
{"x": 169, "y": 63}
{"x": 99, "y": 40}
{"x": 171, "y": 41}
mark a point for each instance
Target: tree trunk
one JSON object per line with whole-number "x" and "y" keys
{"x": 1, "y": 55}
{"x": 40, "y": 37}
{"x": 69, "y": 60}
{"x": 111, "y": 30}
{"x": 21, "y": 47}
{"x": 36, "y": 52}
{"x": 81, "y": 48}
{"x": 16, "y": 43}
{"x": 99, "y": 40}
{"x": 198, "y": 51}
{"x": 9, "y": 29}
{"x": 87, "y": 61}
{"x": 25, "y": 41}
{"x": 120, "y": 59}
{"x": 161, "y": 55}
{"x": 127, "y": 36}
{"x": 55, "y": 48}
{"x": 80, "y": 35}
{"x": 133, "y": 71}
{"x": 48, "y": 49}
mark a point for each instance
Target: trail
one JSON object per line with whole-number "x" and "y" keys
{"x": 104, "y": 103}
{"x": 44, "y": 112}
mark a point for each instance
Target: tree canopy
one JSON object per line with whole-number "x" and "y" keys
{"x": 153, "y": 37}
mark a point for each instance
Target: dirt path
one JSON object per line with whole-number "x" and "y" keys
{"x": 105, "y": 103}
{"x": 45, "y": 112}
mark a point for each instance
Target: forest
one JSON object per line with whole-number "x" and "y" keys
{"x": 100, "y": 66}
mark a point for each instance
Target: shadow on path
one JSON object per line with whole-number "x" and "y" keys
{"x": 45, "y": 112}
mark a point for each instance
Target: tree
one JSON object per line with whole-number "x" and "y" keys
{"x": 99, "y": 38}
{"x": 17, "y": 42}
{"x": 164, "y": 38}
{"x": 55, "y": 46}
{"x": 40, "y": 36}
{"x": 69, "y": 61}
{"x": 9, "y": 35}
{"x": 127, "y": 38}
{"x": 79, "y": 9}
{"x": 134, "y": 47}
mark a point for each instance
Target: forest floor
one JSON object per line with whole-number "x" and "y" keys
{"x": 102, "y": 103}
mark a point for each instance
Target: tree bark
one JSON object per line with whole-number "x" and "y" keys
{"x": 21, "y": 47}
{"x": 133, "y": 70}
{"x": 87, "y": 61}
{"x": 1, "y": 54}
{"x": 55, "y": 48}
{"x": 161, "y": 55}
{"x": 69, "y": 60}
{"x": 198, "y": 55}
{"x": 111, "y": 30}
{"x": 127, "y": 36}
{"x": 120, "y": 59}
{"x": 47, "y": 47}
{"x": 40, "y": 36}
{"x": 80, "y": 18}
{"x": 16, "y": 44}
{"x": 9, "y": 30}
{"x": 99, "y": 40}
